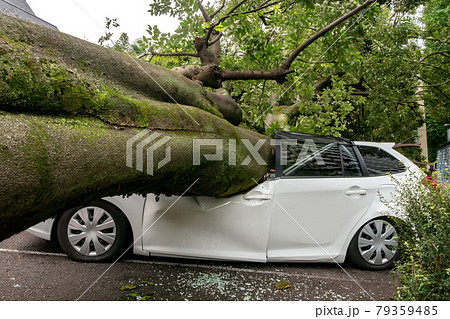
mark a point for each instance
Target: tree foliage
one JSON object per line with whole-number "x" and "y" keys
{"x": 360, "y": 79}
{"x": 435, "y": 71}
{"x": 425, "y": 268}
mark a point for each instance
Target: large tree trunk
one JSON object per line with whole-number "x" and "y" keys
{"x": 67, "y": 110}
{"x": 42, "y": 71}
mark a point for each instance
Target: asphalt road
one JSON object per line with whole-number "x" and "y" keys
{"x": 34, "y": 269}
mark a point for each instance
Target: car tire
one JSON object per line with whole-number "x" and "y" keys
{"x": 98, "y": 232}
{"x": 374, "y": 246}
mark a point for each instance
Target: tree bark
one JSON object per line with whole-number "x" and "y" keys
{"x": 67, "y": 110}
{"x": 279, "y": 75}
{"x": 282, "y": 115}
{"x": 48, "y": 64}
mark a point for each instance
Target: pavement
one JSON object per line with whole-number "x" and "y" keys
{"x": 34, "y": 269}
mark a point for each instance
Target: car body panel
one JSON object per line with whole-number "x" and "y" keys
{"x": 43, "y": 229}
{"x": 311, "y": 214}
{"x": 133, "y": 207}
{"x": 234, "y": 228}
{"x": 282, "y": 219}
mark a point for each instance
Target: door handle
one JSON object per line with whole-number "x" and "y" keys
{"x": 256, "y": 197}
{"x": 356, "y": 192}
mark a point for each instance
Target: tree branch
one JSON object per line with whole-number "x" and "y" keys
{"x": 316, "y": 62}
{"x": 262, "y": 93}
{"x": 206, "y": 17}
{"x": 236, "y": 7}
{"x": 288, "y": 6}
{"x": 433, "y": 85}
{"x": 445, "y": 41}
{"x": 216, "y": 39}
{"x": 211, "y": 28}
{"x": 263, "y": 6}
{"x": 195, "y": 55}
{"x": 434, "y": 53}
{"x": 278, "y": 75}
{"x": 397, "y": 146}
{"x": 218, "y": 10}
{"x": 424, "y": 63}
{"x": 326, "y": 82}
{"x": 287, "y": 64}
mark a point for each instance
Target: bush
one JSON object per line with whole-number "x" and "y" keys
{"x": 424, "y": 268}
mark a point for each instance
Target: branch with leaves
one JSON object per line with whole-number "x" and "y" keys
{"x": 208, "y": 47}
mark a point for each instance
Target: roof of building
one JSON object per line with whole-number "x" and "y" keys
{"x": 20, "y": 9}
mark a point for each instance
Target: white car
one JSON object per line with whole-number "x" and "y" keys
{"x": 326, "y": 202}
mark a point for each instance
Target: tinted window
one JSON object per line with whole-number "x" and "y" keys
{"x": 380, "y": 162}
{"x": 350, "y": 162}
{"x": 321, "y": 159}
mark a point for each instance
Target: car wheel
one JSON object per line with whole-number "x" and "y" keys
{"x": 374, "y": 246}
{"x": 95, "y": 233}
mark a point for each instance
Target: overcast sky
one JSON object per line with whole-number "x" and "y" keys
{"x": 75, "y": 17}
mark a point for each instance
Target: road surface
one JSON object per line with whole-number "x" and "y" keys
{"x": 34, "y": 269}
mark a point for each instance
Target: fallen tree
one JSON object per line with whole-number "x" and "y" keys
{"x": 67, "y": 110}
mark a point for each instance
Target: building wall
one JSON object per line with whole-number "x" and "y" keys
{"x": 22, "y": 4}
{"x": 443, "y": 162}
{"x": 20, "y": 9}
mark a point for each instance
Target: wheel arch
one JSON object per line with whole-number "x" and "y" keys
{"x": 354, "y": 258}
{"x": 53, "y": 234}
{"x": 397, "y": 220}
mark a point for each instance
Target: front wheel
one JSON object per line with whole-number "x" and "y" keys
{"x": 374, "y": 246}
{"x": 95, "y": 233}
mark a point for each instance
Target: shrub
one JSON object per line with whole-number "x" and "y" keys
{"x": 424, "y": 268}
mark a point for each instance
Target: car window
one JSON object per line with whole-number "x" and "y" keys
{"x": 380, "y": 162}
{"x": 312, "y": 159}
{"x": 350, "y": 162}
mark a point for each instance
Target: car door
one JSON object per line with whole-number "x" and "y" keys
{"x": 321, "y": 192}
{"x": 235, "y": 228}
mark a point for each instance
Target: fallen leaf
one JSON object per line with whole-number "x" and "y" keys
{"x": 146, "y": 298}
{"x": 283, "y": 284}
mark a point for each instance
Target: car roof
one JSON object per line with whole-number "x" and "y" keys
{"x": 384, "y": 145}
{"x": 317, "y": 138}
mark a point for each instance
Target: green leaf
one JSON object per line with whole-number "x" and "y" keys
{"x": 128, "y": 287}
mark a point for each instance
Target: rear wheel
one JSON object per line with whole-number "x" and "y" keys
{"x": 374, "y": 246}
{"x": 95, "y": 233}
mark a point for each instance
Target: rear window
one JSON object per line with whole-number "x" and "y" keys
{"x": 380, "y": 162}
